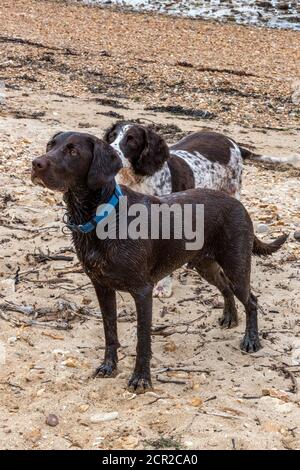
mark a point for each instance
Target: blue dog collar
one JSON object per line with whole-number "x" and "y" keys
{"x": 105, "y": 212}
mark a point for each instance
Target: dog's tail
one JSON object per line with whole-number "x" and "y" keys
{"x": 261, "y": 248}
{"x": 247, "y": 154}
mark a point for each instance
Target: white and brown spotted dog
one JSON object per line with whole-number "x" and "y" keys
{"x": 202, "y": 160}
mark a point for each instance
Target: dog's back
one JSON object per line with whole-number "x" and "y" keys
{"x": 214, "y": 146}
{"x": 216, "y": 218}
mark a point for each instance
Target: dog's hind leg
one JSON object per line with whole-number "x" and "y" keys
{"x": 212, "y": 272}
{"x": 140, "y": 380}
{"x": 250, "y": 343}
{"x": 237, "y": 267}
{"x": 108, "y": 307}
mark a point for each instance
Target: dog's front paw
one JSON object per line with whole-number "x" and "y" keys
{"x": 250, "y": 344}
{"x": 105, "y": 370}
{"x": 139, "y": 383}
{"x": 163, "y": 288}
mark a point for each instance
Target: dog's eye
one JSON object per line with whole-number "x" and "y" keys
{"x": 130, "y": 139}
{"x": 73, "y": 152}
{"x": 50, "y": 145}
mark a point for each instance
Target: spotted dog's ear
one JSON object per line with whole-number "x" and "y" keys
{"x": 154, "y": 155}
{"x": 104, "y": 167}
{"x": 108, "y": 134}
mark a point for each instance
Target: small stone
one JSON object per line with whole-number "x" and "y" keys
{"x": 272, "y": 392}
{"x": 83, "y": 408}
{"x": 203, "y": 379}
{"x": 34, "y": 436}
{"x": 262, "y": 228}
{"x": 102, "y": 417}
{"x": 196, "y": 387}
{"x": 297, "y": 235}
{"x": 52, "y": 420}
{"x": 170, "y": 346}
{"x": 70, "y": 362}
{"x": 197, "y": 402}
{"x": 60, "y": 351}
{"x": 13, "y": 339}
{"x": 84, "y": 125}
{"x": 189, "y": 444}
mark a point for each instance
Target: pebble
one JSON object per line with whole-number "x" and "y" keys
{"x": 262, "y": 228}
{"x": 297, "y": 235}
{"x": 60, "y": 351}
{"x": 70, "y": 362}
{"x": 13, "y": 339}
{"x": 83, "y": 408}
{"x": 102, "y": 417}
{"x": 189, "y": 444}
{"x": 52, "y": 420}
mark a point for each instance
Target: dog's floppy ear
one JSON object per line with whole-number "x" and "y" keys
{"x": 57, "y": 134}
{"x": 154, "y": 155}
{"x": 104, "y": 167}
{"x": 53, "y": 137}
{"x": 109, "y": 131}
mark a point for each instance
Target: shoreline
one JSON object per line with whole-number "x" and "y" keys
{"x": 143, "y": 10}
{"x": 236, "y": 73}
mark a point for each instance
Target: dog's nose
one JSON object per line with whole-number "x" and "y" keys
{"x": 40, "y": 164}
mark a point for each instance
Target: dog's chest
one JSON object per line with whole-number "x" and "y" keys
{"x": 157, "y": 184}
{"x": 112, "y": 264}
{"x": 93, "y": 260}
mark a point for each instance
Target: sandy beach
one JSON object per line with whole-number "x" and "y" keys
{"x": 68, "y": 66}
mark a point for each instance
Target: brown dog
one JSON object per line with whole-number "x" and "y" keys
{"x": 84, "y": 168}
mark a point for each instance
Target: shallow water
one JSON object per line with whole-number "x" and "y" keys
{"x": 272, "y": 13}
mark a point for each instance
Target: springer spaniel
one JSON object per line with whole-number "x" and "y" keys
{"x": 201, "y": 159}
